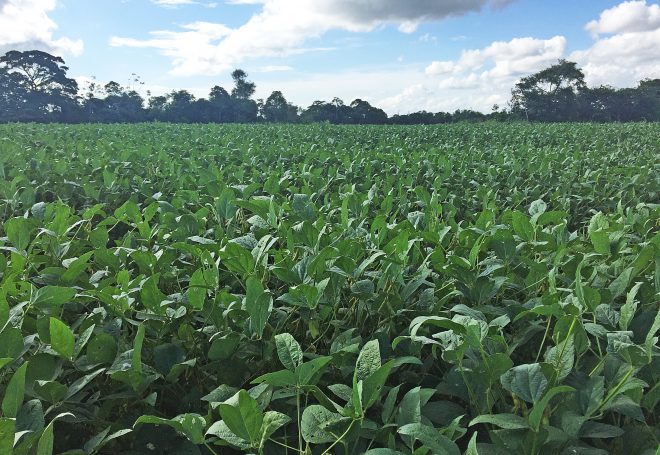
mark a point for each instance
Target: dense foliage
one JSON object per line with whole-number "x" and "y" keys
{"x": 34, "y": 88}
{"x": 483, "y": 289}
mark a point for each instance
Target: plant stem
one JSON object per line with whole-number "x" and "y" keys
{"x": 299, "y": 424}
{"x": 340, "y": 438}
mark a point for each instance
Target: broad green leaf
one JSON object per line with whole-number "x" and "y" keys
{"x": 52, "y": 296}
{"x": 15, "y": 392}
{"x": 272, "y": 422}
{"x": 526, "y": 381}
{"x": 244, "y": 420}
{"x": 258, "y": 304}
{"x": 431, "y": 438}
{"x": 316, "y": 423}
{"x": 7, "y": 428}
{"x": 601, "y": 241}
{"x": 102, "y": 349}
{"x": 18, "y": 232}
{"x": 61, "y": 338}
{"x": 368, "y": 361}
{"x": 522, "y": 226}
{"x": 288, "y": 351}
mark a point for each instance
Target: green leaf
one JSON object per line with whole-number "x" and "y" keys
{"x": 273, "y": 421}
{"x": 629, "y": 308}
{"x": 237, "y": 259}
{"x": 18, "y": 232}
{"x": 537, "y": 208}
{"x": 599, "y": 430}
{"x": 527, "y": 381}
{"x": 244, "y": 420}
{"x": 7, "y": 429}
{"x": 45, "y": 445}
{"x": 151, "y": 296}
{"x": 315, "y": 424}
{"x": 4, "y": 310}
{"x": 306, "y": 371}
{"x": 11, "y": 343}
{"x": 562, "y": 358}
{"x": 102, "y": 349}
{"x": 431, "y": 438}
{"x": 222, "y": 431}
{"x": 191, "y": 425}
{"x": 52, "y": 296}
{"x": 166, "y": 356}
{"x": 258, "y": 304}
{"x": 364, "y": 288}
{"x": 61, "y": 338}
{"x": 620, "y": 284}
{"x": 601, "y": 241}
{"x": 224, "y": 347}
{"x": 472, "y": 445}
{"x": 282, "y": 378}
{"x": 536, "y": 414}
{"x": 368, "y": 361}
{"x": 224, "y": 205}
{"x": 288, "y": 351}
{"x": 51, "y": 391}
{"x": 522, "y": 226}
{"x": 14, "y": 392}
{"x": 506, "y": 421}
{"x": 200, "y": 282}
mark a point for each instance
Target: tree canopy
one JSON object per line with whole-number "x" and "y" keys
{"x": 34, "y": 87}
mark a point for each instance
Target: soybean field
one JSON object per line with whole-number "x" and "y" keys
{"x": 458, "y": 289}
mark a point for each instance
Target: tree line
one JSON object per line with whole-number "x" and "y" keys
{"x": 35, "y": 87}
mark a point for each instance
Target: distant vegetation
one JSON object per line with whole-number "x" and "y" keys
{"x": 34, "y": 87}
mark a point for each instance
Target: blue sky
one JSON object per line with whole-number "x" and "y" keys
{"x": 400, "y": 55}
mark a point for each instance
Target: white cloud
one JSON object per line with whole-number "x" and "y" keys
{"x": 630, "y": 16}
{"x": 630, "y": 53}
{"x": 505, "y": 59}
{"x": 25, "y": 25}
{"x": 478, "y": 79}
{"x": 282, "y": 27}
{"x": 621, "y": 60}
{"x": 195, "y": 44}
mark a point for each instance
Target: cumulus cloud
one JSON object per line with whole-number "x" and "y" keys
{"x": 631, "y": 16}
{"x": 624, "y": 51}
{"x": 629, "y": 52}
{"x": 479, "y": 78}
{"x": 25, "y": 25}
{"x": 282, "y": 27}
{"x": 504, "y": 59}
{"x": 195, "y": 44}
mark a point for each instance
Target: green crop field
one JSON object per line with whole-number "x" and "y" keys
{"x": 460, "y": 289}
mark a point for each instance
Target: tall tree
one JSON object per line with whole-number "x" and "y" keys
{"x": 220, "y": 102}
{"x": 550, "y": 94}
{"x": 45, "y": 91}
{"x": 244, "y": 109}
{"x": 363, "y": 112}
{"x": 278, "y": 109}
{"x": 243, "y": 89}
